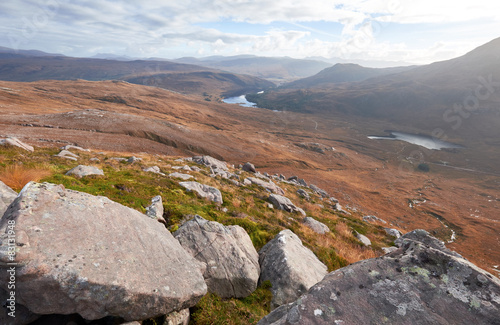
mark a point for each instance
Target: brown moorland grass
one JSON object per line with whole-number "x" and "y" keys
{"x": 16, "y": 176}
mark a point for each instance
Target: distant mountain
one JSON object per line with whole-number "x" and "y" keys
{"x": 277, "y": 69}
{"x": 364, "y": 63}
{"x": 186, "y": 78}
{"x": 342, "y": 73}
{"x": 6, "y": 52}
{"x": 460, "y": 97}
{"x": 109, "y": 56}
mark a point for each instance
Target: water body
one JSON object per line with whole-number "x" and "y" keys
{"x": 240, "y": 100}
{"x": 420, "y": 140}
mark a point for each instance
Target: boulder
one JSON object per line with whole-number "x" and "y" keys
{"x": 16, "y": 143}
{"x": 416, "y": 284}
{"x": 268, "y": 185}
{"x": 178, "y": 318}
{"x": 316, "y": 226}
{"x": 290, "y": 267}
{"x": 67, "y": 155}
{"x": 303, "y": 194}
{"x": 249, "y": 167}
{"x": 393, "y": 232}
{"x": 363, "y": 239}
{"x": 205, "y": 191}
{"x": 373, "y": 219}
{"x": 7, "y": 196}
{"x": 210, "y": 162}
{"x": 231, "y": 259}
{"x": 154, "y": 169}
{"x": 85, "y": 254}
{"x": 319, "y": 191}
{"x": 82, "y": 171}
{"x": 284, "y": 203}
{"x": 71, "y": 147}
{"x": 155, "y": 210}
{"x": 133, "y": 159}
{"x": 181, "y": 176}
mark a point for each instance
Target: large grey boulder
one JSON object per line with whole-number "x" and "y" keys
{"x": 249, "y": 167}
{"x": 72, "y": 147}
{"x": 205, "y": 191}
{"x": 303, "y": 194}
{"x": 319, "y": 191}
{"x": 231, "y": 259}
{"x": 82, "y": 171}
{"x": 13, "y": 141}
{"x": 7, "y": 196}
{"x": 210, "y": 162}
{"x": 67, "y": 155}
{"x": 85, "y": 254}
{"x": 363, "y": 239}
{"x": 316, "y": 226}
{"x": 416, "y": 284}
{"x": 268, "y": 185}
{"x": 290, "y": 267}
{"x": 284, "y": 203}
{"x": 154, "y": 169}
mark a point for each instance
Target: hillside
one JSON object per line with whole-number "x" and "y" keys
{"x": 29, "y": 66}
{"x": 341, "y": 73}
{"x": 275, "y": 69}
{"x": 423, "y": 98}
{"x": 372, "y": 177}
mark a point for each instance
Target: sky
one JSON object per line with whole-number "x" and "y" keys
{"x": 412, "y": 31}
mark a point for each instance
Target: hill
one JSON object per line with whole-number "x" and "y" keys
{"x": 275, "y": 69}
{"x": 194, "y": 79}
{"x": 369, "y": 177}
{"x": 341, "y": 73}
{"x": 458, "y": 97}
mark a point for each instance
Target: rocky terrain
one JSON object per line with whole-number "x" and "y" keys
{"x": 114, "y": 240}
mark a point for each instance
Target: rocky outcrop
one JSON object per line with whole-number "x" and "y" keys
{"x": 181, "y": 176}
{"x": 249, "y": 167}
{"x": 316, "y": 226}
{"x": 7, "y": 196}
{"x": 422, "y": 282}
{"x": 319, "y": 191}
{"x": 83, "y": 171}
{"x": 205, "y": 191}
{"x": 71, "y": 147}
{"x": 393, "y": 232}
{"x": 67, "y": 155}
{"x": 284, "y": 203}
{"x": 210, "y": 162}
{"x": 12, "y": 141}
{"x": 303, "y": 194}
{"x": 153, "y": 169}
{"x": 373, "y": 219}
{"x": 290, "y": 267}
{"x": 78, "y": 253}
{"x": 268, "y": 185}
{"x": 155, "y": 210}
{"x": 232, "y": 261}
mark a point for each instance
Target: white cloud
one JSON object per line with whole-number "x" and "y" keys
{"x": 172, "y": 27}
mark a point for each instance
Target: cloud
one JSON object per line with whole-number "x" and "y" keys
{"x": 178, "y": 28}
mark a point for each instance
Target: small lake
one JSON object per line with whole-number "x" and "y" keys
{"x": 420, "y": 140}
{"x": 240, "y": 100}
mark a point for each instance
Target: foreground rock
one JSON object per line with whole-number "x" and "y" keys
{"x": 420, "y": 283}
{"x": 249, "y": 167}
{"x": 7, "y": 196}
{"x": 232, "y": 261}
{"x": 316, "y": 226}
{"x": 291, "y": 267}
{"x": 79, "y": 253}
{"x": 12, "y": 141}
{"x": 205, "y": 191}
{"x": 284, "y": 203}
{"x": 83, "y": 171}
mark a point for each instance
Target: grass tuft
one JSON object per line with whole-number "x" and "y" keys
{"x": 16, "y": 176}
